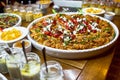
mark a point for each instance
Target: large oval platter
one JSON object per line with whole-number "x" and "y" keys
{"x": 73, "y": 53}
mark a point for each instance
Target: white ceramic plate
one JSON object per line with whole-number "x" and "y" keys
{"x": 2, "y": 77}
{"x": 23, "y": 30}
{"x": 74, "y": 54}
{"x": 92, "y": 10}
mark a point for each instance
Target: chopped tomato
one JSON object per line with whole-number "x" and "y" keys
{"x": 94, "y": 31}
{"x": 85, "y": 22}
{"x": 83, "y": 30}
{"x": 54, "y": 22}
{"x": 74, "y": 21}
{"x": 89, "y": 27}
{"x": 61, "y": 20}
{"x": 61, "y": 37}
{"x": 45, "y": 23}
{"x": 72, "y": 36}
{"x": 1, "y": 29}
{"x": 57, "y": 34}
{"x": 48, "y": 33}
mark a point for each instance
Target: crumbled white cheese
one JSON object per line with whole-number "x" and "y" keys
{"x": 79, "y": 20}
{"x": 60, "y": 28}
{"x": 64, "y": 18}
{"x": 79, "y": 27}
{"x": 65, "y": 32}
{"x": 70, "y": 23}
{"x": 47, "y": 28}
{"x": 84, "y": 19}
{"x": 74, "y": 32}
{"x": 49, "y": 21}
{"x": 67, "y": 38}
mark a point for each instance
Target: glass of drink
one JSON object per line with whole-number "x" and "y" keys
{"x": 13, "y": 62}
{"x": 3, "y": 54}
{"x": 86, "y": 3}
{"x": 29, "y": 14}
{"x": 31, "y": 69}
{"x": 45, "y": 1}
{"x": 37, "y": 13}
{"x": 54, "y": 71}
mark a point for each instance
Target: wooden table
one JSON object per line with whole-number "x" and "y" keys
{"x": 95, "y": 68}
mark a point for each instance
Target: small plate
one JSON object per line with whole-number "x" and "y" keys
{"x": 92, "y": 10}
{"x": 2, "y": 77}
{"x": 23, "y": 31}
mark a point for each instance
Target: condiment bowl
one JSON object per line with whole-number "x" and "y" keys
{"x": 18, "y": 45}
{"x": 109, "y": 15}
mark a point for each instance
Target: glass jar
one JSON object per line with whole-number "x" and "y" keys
{"x": 8, "y": 9}
{"x": 54, "y": 71}
{"x": 37, "y": 13}
{"x": 109, "y": 6}
{"x": 22, "y": 13}
{"x": 3, "y": 54}
{"x": 101, "y": 5}
{"x": 15, "y": 9}
{"x": 13, "y": 62}
{"x": 31, "y": 69}
{"x": 117, "y": 9}
{"x": 29, "y": 14}
{"x": 94, "y": 3}
{"x": 85, "y": 3}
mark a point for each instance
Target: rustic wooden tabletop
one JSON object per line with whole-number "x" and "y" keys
{"x": 95, "y": 68}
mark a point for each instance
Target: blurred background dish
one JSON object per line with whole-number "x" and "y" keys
{"x": 92, "y": 10}
{"x": 9, "y": 20}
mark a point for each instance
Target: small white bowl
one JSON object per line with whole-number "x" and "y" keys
{"x": 109, "y": 15}
{"x": 28, "y": 45}
{"x": 23, "y": 31}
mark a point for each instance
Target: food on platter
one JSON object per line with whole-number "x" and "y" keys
{"x": 11, "y": 34}
{"x": 72, "y": 32}
{"x": 92, "y": 10}
{"x": 7, "y": 20}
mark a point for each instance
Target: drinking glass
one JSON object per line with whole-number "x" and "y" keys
{"x": 37, "y": 13}
{"x": 29, "y": 14}
{"x": 3, "y": 54}
{"x": 31, "y": 69}
{"x": 54, "y": 71}
{"x": 85, "y": 3}
{"x": 13, "y": 62}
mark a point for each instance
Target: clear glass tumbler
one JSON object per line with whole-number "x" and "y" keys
{"x": 13, "y": 62}
{"x": 31, "y": 69}
{"x": 54, "y": 71}
{"x": 3, "y": 54}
